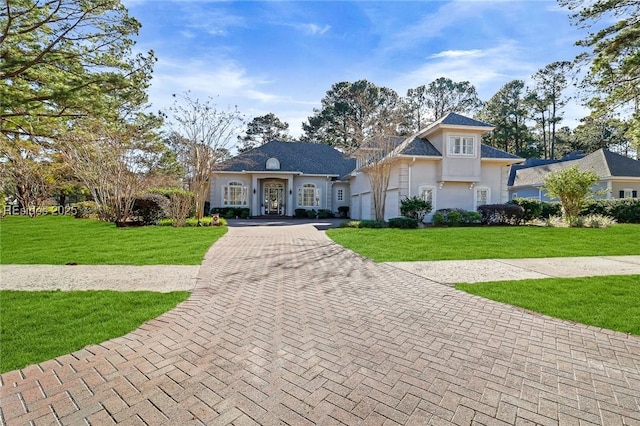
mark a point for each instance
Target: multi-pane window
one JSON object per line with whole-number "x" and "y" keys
{"x": 462, "y": 145}
{"x": 482, "y": 197}
{"x": 340, "y": 194}
{"x": 308, "y": 195}
{"x": 427, "y": 193}
{"x": 628, "y": 193}
{"x": 235, "y": 194}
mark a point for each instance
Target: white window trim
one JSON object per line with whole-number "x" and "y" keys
{"x": 273, "y": 164}
{"x": 475, "y": 196}
{"x": 627, "y": 192}
{"x": 434, "y": 193}
{"x": 317, "y": 195}
{"x": 451, "y": 146}
{"x": 340, "y": 194}
{"x": 244, "y": 194}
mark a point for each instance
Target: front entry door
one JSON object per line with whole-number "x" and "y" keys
{"x": 274, "y": 198}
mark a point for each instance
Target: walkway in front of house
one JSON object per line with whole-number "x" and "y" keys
{"x": 286, "y": 327}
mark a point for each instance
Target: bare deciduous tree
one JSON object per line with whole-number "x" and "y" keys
{"x": 106, "y": 159}
{"x": 205, "y": 135}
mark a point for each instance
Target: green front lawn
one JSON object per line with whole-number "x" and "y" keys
{"x": 611, "y": 302}
{"x": 57, "y": 240}
{"x": 41, "y": 325}
{"x": 400, "y": 245}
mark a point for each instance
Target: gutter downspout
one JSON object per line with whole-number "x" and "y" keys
{"x": 410, "y": 166}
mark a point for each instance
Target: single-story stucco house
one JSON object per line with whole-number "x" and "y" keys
{"x": 619, "y": 176}
{"x": 445, "y": 163}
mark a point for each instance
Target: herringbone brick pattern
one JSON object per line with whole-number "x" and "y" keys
{"x": 285, "y": 327}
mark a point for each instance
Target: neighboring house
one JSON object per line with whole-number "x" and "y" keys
{"x": 446, "y": 164}
{"x": 619, "y": 176}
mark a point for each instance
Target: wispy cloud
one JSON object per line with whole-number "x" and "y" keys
{"x": 312, "y": 29}
{"x": 488, "y": 69}
{"x": 457, "y": 53}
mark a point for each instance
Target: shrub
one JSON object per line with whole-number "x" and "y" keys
{"x": 596, "y": 221}
{"x": 448, "y": 217}
{"x": 372, "y": 224}
{"x": 572, "y": 187}
{"x": 454, "y": 218}
{"x": 180, "y": 203}
{"x": 501, "y": 214}
{"x": 550, "y": 209}
{"x": 324, "y": 214}
{"x": 532, "y": 208}
{"x": 415, "y": 207}
{"x": 85, "y": 209}
{"x": 403, "y": 223}
{"x": 149, "y": 208}
{"x": 192, "y": 222}
{"x": 471, "y": 218}
{"x": 626, "y": 210}
{"x": 363, "y": 224}
{"x": 344, "y": 211}
{"x": 312, "y": 214}
{"x": 439, "y": 219}
{"x": 350, "y": 224}
{"x": 300, "y": 213}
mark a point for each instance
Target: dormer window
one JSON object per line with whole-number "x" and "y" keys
{"x": 273, "y": 164}
{"x": 462, "y": 145}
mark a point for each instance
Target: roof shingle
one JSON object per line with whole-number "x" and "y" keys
{"x": 303, "y": 157}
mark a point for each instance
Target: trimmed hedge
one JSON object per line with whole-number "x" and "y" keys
{"x": 343, "y": 211}
{"x": 501, "y": 214}
{"x": 455, "y": 217}
{"x": 626, "y": 210}
{"x": 403, "y": 222}
{"x": 149, "y": 208}
{"x": 232, "y": 212}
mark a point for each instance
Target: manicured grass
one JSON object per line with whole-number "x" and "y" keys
{"x": 57, "y": 240}
{"x": 37, "y": 326}
{"x": 398, "y": 245}
{"x": 611, "y": 302}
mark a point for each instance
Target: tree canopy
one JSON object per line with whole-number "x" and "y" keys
{"x": 613, "y": 56}
{"x": 64, "y": 59}
{"x": 352, "y": 113}
{"x": 508, "y": 112}
{"x": 440, "y": 97}
{"x": 263, "y": 129}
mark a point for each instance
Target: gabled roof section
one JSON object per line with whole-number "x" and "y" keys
{"x": 302, "y": 157}
{"x": 620, "y": 166}
{"x": 604, "y": 163}
{"x": 419, "y": 147}
{"x": 454, "y": 119}
{"x": 491, "y": 152}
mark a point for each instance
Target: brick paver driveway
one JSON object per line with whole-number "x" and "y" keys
{"x": 285, "y": 327}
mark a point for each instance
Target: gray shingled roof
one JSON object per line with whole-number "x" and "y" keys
{"x": 619, "y": 165}
{"x": 420, "y": 146}
{"x": 303, "y": 157}
{"x": 603, "y": 162}
{"x": 491, "y": 152}
{"x": 460, "y": 120}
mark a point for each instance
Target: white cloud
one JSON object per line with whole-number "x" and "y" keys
{"x": 457, "y": 53}
{"x": 313, "y": 29}
{"x": 487, "y": 69}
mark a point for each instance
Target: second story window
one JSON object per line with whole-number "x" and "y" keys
{"x": 462, "y": 145}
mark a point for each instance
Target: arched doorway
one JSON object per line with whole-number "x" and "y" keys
{"x": 273, "y": 199}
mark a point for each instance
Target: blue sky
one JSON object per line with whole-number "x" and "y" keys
{"x": 282, "y": 56}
